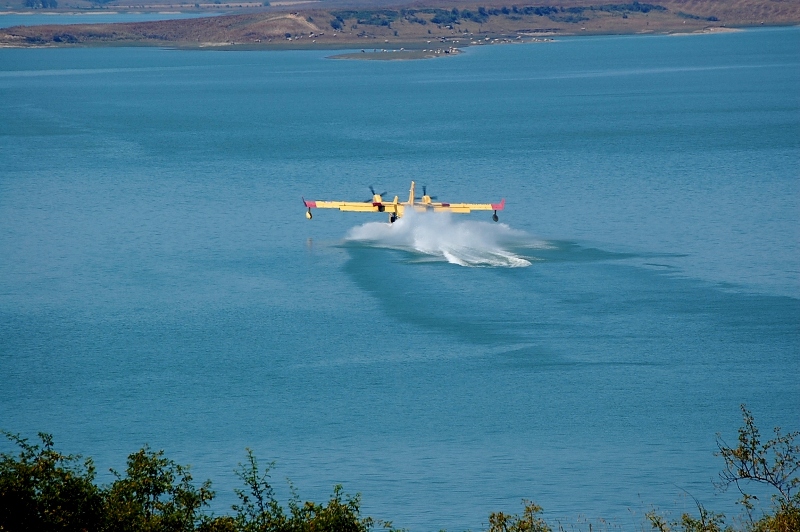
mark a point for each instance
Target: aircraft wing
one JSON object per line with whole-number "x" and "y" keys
{"x": 463, "y": 207}
{"x": 342, "y": 205}
{"x": 353, "y": 206}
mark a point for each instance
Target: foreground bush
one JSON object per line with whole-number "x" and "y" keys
{"x": 44, "y": 490}
{"x": 775, "y": 463}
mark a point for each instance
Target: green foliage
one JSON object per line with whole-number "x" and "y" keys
{"x": 260, "y": 511}
{"x": 696, "y": 17}
{"x": 378, "y": 17}
{"x": 442, "y": 16}
{"x": 340, "y": 514}
{"x": 410, "y": 15}
{"x": 529, "y": 521}
{"x": 42, "y": 489}
{"x": 156, "y": 494}
{"x": 634, "y": 7}
{"x": 706, "y": 522}
{"x": 575, "y": 13}
{"x": 480, "y": 15}
{"x": 541, "y": 11}
{"x": 775, "y": 463}
{"x": 572, "y": 14}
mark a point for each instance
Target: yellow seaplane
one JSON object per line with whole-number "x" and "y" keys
{"x": 396, "y": 208}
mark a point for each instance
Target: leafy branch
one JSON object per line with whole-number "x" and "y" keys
{"x": 775, "y": 463}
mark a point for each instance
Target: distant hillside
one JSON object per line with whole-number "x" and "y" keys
{"x": 417, "y": 23}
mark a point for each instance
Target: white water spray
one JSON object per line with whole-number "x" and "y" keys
{"x": 440, "y": 236}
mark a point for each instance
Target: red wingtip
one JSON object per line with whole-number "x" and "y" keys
{"x": 499, "y": 206}
{"x": 309, "y": 204}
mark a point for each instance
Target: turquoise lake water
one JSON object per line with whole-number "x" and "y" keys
{"x": 159, "y": 283}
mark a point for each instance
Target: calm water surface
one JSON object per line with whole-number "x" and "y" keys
{"x": 159, "y": 283}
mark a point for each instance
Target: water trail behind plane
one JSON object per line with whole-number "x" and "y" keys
{"x": 441, "y": 236}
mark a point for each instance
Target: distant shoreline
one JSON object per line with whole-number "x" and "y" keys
{"x": 408, "y": 51}
{"x": 421, "y": 33}
{"x": 398, "y": 55}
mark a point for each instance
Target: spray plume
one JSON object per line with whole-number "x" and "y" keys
{"x": 439, "y": 236}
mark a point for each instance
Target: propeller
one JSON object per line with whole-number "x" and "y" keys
{"x": 425, "y": 193}
{"x": 374, "y": 194}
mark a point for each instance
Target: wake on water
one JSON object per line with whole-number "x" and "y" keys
{"x": 439, "y": 236}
